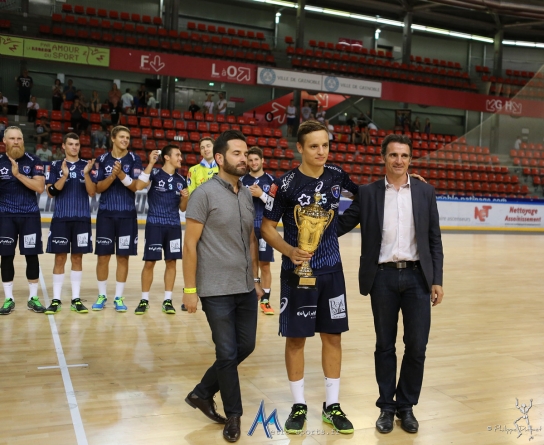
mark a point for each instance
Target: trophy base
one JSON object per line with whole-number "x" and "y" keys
{"x": 308, "y": 282}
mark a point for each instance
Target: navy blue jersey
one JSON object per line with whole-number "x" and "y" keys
{"x": 15, "y": 197}
{"x": 264, "y": 182}
{"x": 296, "y": 188}
{"x": 72, "y": 203}
{"x": 117, "y": 200}
{"x": 163, "y": 197}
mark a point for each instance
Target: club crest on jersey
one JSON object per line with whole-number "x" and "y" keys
{"x": 126, "y": 168}
{"x": 335, "y": 189}
{"x": 82, "y": 172}
{"x": 180, "y": 186}
{"x": 26, "y": 169}
{"x": 266, "y": 188}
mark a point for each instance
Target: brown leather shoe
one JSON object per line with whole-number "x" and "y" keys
{"x": 207, "y": 406}
{"x": 231, "y": 432}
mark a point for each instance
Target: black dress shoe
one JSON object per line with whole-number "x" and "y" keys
{"x": 384, "y": 424}
{"x": 231, "y": 432}
{"x": 207, "y": 406}
{"x": 408, "y": 422}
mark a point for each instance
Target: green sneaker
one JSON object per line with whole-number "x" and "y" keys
{"x": 77, "y": 306}
{"x": 8, "y": 307}
{"x": 100, "y": 303}
{"x": 142, "y": 308}
{"x": 54, "y": 307}
{"x": 295, "y": 422}
{"x": 35, "y": 305}
{"x": 334, "y": 415}
{"x": 167, "y": 307}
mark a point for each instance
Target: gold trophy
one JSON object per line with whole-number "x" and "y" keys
{"x": 311, "y": 221}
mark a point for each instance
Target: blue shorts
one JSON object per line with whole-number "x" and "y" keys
{"x": 266, "y": 253}
{"x": 159, "y": 238}
{"x": 29, "y": 231}
{"x": 116, "y": 235}
{"x": 70, "y": 237}
{"x": 304, "y": 312}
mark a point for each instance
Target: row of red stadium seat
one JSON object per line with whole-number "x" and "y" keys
{"x": 213, "y": 29}
{"x": 113, "y": 15}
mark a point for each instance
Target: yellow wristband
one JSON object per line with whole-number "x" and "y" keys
{"x": 189, "y": 290}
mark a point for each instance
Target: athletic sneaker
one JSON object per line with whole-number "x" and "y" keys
{"x": 334, "y": 415}
{"x": 183, "y": 308}
{"x": 77, "y": 306}
{"x": 54, "y": 307}
{"x": 8, "y": 307}
{"x": 100, "y": 303}
{"x": 35, "y": 305}
{"x": 266, "y": 308}
{"x": 119, "y": 305}
{"x": 295, "y": 422}
{"x": 142, "y": 307}
{"x": 167, "y": 307}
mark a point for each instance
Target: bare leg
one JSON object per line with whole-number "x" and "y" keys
{"x": 294, "y": 357}
{"x": 147, "y": 275}
{"x": 331, "y": 355}
{"x": 102, "y": 267}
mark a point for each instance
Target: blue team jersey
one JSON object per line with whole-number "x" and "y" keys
{"x": 163, "y": 197}
{"x": 72, "y": 203}
{"x": 264, "y": 182}
{"x": 15, "y": 197}
{"x": 117, "y": 200}
{"x": 296, "y": 188}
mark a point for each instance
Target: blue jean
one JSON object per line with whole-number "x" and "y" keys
{"x": 405, "y": 290}
{"x": 233, "y": 321}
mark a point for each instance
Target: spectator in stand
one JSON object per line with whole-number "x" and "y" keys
{"x": 98, "y": 138}
{"x": 194, "y": 108}
{"x": 305, "y": 111}
{"x": 416, "y": 126}
{"x": 95, "y": 104}
{"x": 208, "y": 105}
{"x": 24, "y": 84}
{"x": 140, "y": 100}
{"x": 3, "y": 104}
{"x": 58, "y": 155}
{"x": 42, "y": 131}
{"x": 320, "y": 115}
{"x": 44, "y": 153}
{"x": 222, "y": 104}
{"x": 32, "y": 108}
{"x": 82, "y": 100}
{"x": 78, "y": 122}
{"x": 291, "y": 114}
{"x": 69, "y": 91}
{"x": 114, "y": 95}
{"x": 56, "y": 95}
{"x": 127, "y": 101}
{"x": 151, "y": 101}
{"x": 105, "y": 108}
{"x": 427, "y": 127}
{"x": 330, "y": 128}
{"x": 517, "y": 144}
{"x": 115, "y": 113}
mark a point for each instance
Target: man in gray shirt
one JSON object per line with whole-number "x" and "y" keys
{"x": 221, "y": 267}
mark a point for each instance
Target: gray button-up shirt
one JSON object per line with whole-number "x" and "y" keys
{"x": 224, "y": 255}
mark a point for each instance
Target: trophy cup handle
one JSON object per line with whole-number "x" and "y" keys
{"x": 298, "y": 208}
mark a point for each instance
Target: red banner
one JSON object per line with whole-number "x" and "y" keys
{"x": 162, "y": 64}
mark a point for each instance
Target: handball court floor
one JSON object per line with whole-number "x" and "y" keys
{"x": 485, "y": 350}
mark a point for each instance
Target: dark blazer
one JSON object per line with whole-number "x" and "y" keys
{"x": 367, "y": 209}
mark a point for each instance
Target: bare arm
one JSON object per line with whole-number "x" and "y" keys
{"x": 254, "y": 246}
{"x": 90, "y": 186}
{"x": 184, "y": 200}
{"x": 138, "y": 183}
{"x": 193, "y": 232}
{"x": 274, "y": 239}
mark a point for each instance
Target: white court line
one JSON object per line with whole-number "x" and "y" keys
{"x": 82, "y": 365}
{"x": 68, "y": 388}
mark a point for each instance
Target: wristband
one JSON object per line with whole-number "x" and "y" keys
{"x": 144, "y": 177}
{"x": 264, "y": 197}
{"x": 53, "y": 191}
{"x": 189, "y": 290}
{"x": 126, "y": 181}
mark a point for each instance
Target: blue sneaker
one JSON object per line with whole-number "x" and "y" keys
{"x": 100, "y": 303}
{"x": 119, "y": 305}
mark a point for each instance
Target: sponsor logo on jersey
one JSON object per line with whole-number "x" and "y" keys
{"x": 30, "y": 241}
{"x": 273, "y": 190}
{"x": 337, "y": 307}
{"x": 124, "y": 242}
{"x": 82, "y": 239}
{"x": 60, "y": 241}
{"x": 103, "y": 241}
{"x": 175, "y": 245}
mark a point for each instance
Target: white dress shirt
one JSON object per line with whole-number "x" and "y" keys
{"x": 399, "y": 232}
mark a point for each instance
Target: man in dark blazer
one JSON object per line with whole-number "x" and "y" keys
{"x": 401, "y": 267}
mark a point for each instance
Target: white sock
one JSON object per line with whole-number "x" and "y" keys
{"x": 102, "y": 286}
{"x": 32, "y": 290}
{"x": 119, "y": 288}
{"x": 332, "y": 390}
{"x": 297, "y": 390}
{"x": 266, "y": 291}
{"x": 167, "y": 294}
{"x": 145, "y": 296}
{"x": 8, "y": 289}
{"x": 58, "y": 280}
{"x": 75, "y": 278}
